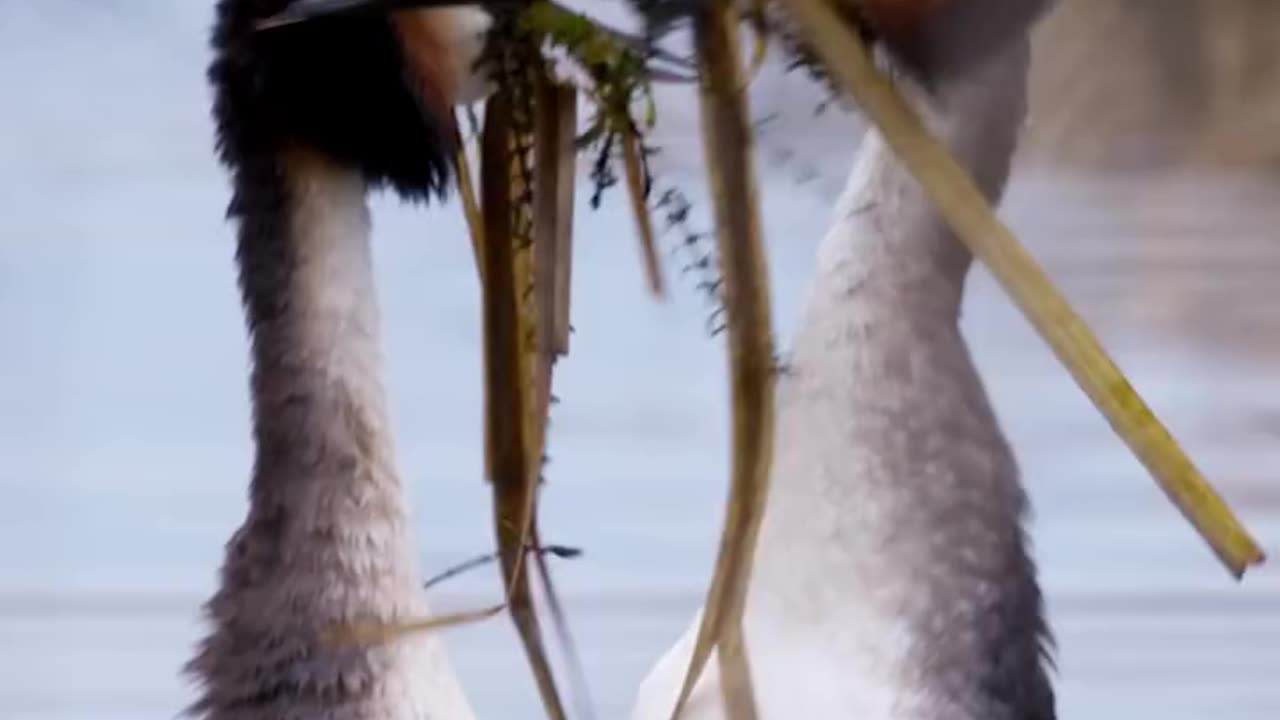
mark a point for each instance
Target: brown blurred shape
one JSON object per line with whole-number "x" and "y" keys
{"x": 1158, "y": 83}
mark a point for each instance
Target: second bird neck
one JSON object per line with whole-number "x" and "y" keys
{"x": 887, "y": 238}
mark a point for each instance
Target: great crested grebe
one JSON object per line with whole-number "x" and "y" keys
{"x": 892, "y": 580}
{"x": 309, "y": 118}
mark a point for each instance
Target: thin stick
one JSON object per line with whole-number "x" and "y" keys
{"x": 475, "y": 226}
{"x": 560, "y": 551}
{"x": 470, "y": 205}
{"x": 727, "y": 141}
{"x": 631, "y": 161}
{"x": 375, "y": 633}
{"x": 975, "y": 223}
{"x": 546, "y": 196}
{"x": 567, "y": 128}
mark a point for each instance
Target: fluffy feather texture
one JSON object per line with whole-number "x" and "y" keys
{"x": 328, "y": 539}
{"x": 342, "y": 86}
{"x": 308, "y": 118}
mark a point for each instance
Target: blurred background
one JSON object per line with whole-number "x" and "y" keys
{"x": 1149, "y": 188}
{"x": 1146, "y": 83}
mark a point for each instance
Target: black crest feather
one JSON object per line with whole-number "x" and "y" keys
{"x": 336, "y": 85}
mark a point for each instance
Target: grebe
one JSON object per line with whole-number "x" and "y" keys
{"x": 309, "y": 118}
{"x": 893, "y": 580}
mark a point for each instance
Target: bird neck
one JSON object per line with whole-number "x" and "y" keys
{"x": 887, "y": 237}
{"x": 327, "y": 540}
{"x": 320, "y": 419}
{"x": 893, "y": 540}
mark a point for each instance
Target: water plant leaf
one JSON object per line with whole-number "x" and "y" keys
{"x": 727, "y": 141}
{"x": 511, "y": 380}
{"x": 555, "y": 119}
{"x": 543, "y": 311}
{"x": 377, "y": 633}
{"x": 470, "y": 202}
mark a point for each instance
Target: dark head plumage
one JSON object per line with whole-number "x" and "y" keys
{"x": 336, "y": 86}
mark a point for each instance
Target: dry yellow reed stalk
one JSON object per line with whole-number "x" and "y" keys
{"x": 634, "y": 168}
{"x": 727, "y": 143}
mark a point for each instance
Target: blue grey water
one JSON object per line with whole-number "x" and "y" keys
{"x": 124, "y": 418}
